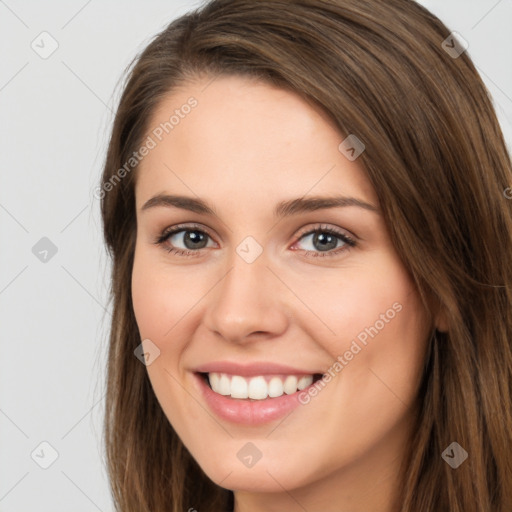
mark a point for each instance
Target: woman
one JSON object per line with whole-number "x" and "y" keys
{"x": 305, "y": 203}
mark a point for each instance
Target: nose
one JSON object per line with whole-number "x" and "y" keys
{"x": 248, "y": 304}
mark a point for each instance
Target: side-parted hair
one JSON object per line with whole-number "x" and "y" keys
{"x": 436, "y": 156}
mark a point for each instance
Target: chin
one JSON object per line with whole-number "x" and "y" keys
{"x": 265, "y": 476}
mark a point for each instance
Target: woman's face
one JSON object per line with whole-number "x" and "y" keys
{"x": 270, "y": 290}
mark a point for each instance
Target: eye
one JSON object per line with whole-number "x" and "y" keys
{"x": 326, "y": 240}
{"x": 192, "y": 237}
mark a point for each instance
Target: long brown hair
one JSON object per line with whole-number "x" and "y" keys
{"x": 436, "y": 156}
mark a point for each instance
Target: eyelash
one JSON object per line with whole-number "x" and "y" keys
{"x": 166, "y": 234}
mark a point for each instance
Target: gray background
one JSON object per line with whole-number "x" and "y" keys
{"x": 55, "y": 117}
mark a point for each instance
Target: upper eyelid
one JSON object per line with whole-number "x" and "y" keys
{"x": 186, "y": 227}
{"x": 321, "y": 226}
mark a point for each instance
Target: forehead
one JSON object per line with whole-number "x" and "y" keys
{"x": 249, "y": 138}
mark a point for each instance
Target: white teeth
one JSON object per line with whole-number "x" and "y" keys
{"x": 290, "y": 384}
{"x": 214, "y": 380}
{"x": 224, "y": 385}
{"x": 275, "y": 387}
{"x": 257, "y": 388}
{"x": 304, "y": 382}
{"x": 239, "y": 388}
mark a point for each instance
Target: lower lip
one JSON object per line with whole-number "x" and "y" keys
{"x": 245, "y": 411}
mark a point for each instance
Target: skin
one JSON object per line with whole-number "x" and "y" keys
{"x": 244, "y": 148}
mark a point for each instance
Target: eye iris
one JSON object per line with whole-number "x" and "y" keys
{"x": 194, "y": 237}
{"x": 326, "y": 241}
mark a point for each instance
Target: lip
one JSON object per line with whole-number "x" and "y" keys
{"x": 253, "y": 369}
{"x": 245, "y": 411}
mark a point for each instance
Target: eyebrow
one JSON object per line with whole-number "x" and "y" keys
{"x": 282, "y": 209}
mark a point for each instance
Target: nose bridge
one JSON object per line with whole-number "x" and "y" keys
{"x": 246, "y": 301}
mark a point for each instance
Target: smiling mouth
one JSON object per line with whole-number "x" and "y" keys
{"x": 260, "y": 387}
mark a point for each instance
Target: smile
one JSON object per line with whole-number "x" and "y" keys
{"x": 261, "y": 395}
{"x": 258, "y": 387}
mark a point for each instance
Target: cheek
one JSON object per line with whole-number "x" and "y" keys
{"x": 150, "y": 297}
{"x": 160, "y": 298}
{"x": 382, "y": 332}
{"x": 374, "y": 300}
{"x": 160, "y": 306}
{"x": 377, "y": 337}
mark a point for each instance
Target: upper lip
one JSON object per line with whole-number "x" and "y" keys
{"x": 251, "y": 369}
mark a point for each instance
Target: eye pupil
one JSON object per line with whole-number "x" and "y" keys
{"x": 326, "y": 241}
